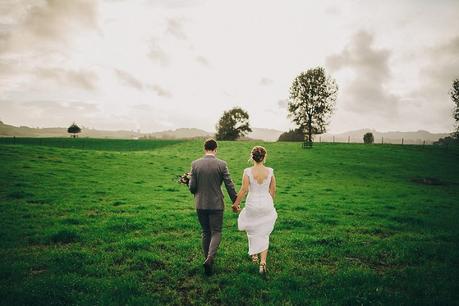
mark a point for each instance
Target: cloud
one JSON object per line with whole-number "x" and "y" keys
{"x": 283, "y": 103}
{"x": 367, "y": 92}
{"x": 174, "y": 4}
{"x": 265, "y": 81}
{"x": 83, "y": 79}
{"x": 332, "y": 10}
{"x": 431, "y": 98}
{"x": 6, "y": 67}
{"x": 160, "y": 91}
{"x": 55, "y": 18}
{"x": 202, "y": 60}
{"x": 62, "y": 108}
{"x": 158, "y": 54}
{"x": 128, "y": 79}
{"x": 175, "y": 28}
{"x": 48, "y": 113}
{"x": 142, "y": 107}
{"x": 45, "y": 23}
{"x": 133, "y": 82}
{"x": 443, "y": 64}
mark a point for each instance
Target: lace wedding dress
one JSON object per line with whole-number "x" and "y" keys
{"x": 258, "y": 216}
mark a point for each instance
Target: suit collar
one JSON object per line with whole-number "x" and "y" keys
{"x": 209, "y": 156}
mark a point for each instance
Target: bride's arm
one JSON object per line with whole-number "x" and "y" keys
{"x": 242, "y": 192}
{"x": 272, "y": 187}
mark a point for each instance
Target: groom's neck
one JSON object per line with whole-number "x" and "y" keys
{"x": 211, "y": 153}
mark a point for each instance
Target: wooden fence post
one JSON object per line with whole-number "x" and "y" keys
{"x": 382, "y": 140}
{"x": 402, "y": 141}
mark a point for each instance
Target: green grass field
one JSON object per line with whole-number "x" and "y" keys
{"x": 104, "y": 223}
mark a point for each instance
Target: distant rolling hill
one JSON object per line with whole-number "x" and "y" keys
{"x": 417, "y": 137}
{"x": 24, "y": 131}
{"x": 264, "y": 134}
{"x": 182, "y": 133}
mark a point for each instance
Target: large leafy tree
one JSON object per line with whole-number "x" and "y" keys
{"x": 455, "y": 97}
{"x": 74, "y": 130}
{"x": 312, "y": 100}
{"x": 233, "y": 124}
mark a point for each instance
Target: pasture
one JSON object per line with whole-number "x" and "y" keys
{"x": 104, "y": 223}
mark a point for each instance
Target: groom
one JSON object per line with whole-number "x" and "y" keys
{"x": 207, "y": 175}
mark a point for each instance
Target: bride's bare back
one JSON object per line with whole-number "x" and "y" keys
{"x": 260, "y": 174}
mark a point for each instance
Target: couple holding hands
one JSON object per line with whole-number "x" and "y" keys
{"x": 257, "y": 217}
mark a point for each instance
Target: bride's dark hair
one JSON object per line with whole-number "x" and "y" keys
{"x": 258, "y": 154}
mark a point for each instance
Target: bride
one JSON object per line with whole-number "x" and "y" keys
{"x": 258, "y": 216}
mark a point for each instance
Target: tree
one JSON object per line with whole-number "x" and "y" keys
{"x": 74, "y": 129}
{"x": 368, "y": 138}
{"x": 292, "y": 135}
{"x": 455, "y": 97}
{"x": 312, "y": 101}
{"x": 447, "y": 140}
{"x": 233, "y": 124}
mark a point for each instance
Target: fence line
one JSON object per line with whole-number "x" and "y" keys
{"x": 381, "y": 140}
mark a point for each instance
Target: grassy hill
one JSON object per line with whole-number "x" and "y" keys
{"x": 25, "y": 131}
{"x": 107, "y": 224}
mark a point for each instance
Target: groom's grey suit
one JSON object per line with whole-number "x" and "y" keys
{"x": 207, "y": 175}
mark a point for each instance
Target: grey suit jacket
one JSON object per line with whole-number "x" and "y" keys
{"x": 207, "y": 175}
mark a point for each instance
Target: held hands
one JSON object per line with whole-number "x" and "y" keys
{"x": 236, "y": 207}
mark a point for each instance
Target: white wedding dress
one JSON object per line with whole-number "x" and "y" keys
{"x": 258, "y": 216}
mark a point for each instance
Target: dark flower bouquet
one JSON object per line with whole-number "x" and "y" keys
{"x": 184, "y": 178}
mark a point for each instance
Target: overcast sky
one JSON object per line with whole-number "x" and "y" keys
{"x": 155, "y": 65}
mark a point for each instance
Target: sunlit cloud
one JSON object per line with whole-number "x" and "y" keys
{"x": 367, "y": 92}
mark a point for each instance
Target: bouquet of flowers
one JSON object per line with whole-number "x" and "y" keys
{"x": 184, "y": 178}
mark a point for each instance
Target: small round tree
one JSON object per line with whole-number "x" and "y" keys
{"x": 233, "y": 124}
{"x": 368, "y": 138}
{"x": 74, "y": 130}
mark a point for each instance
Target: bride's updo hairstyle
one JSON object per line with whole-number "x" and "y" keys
{"x": 258, "y": 154}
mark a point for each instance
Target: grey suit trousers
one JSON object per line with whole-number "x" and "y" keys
{"x": 211, "y": 221}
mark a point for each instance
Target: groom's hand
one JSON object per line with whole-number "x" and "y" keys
{"x": 236, "y": 208}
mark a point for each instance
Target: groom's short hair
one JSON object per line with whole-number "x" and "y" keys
{"x": 210, "y": 144}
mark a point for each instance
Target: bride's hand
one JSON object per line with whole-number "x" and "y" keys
{"x": 236, "y": 208}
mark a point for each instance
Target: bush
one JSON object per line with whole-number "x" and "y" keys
{"x": 292, "y": 135}
{"x": 368, "y": 138}
{"x": 448, "y": 140}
